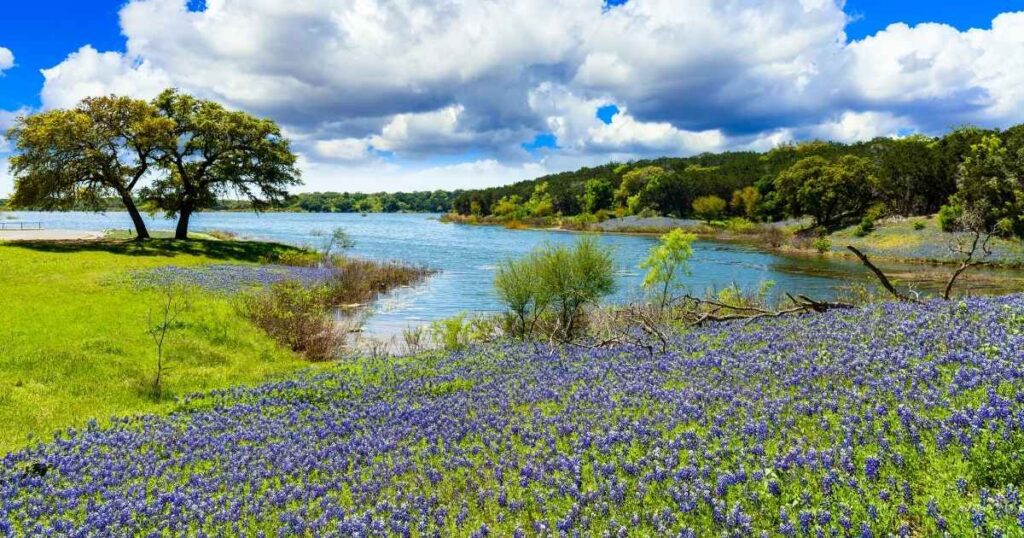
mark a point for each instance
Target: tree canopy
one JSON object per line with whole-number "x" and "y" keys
{"x": 77, "y": 158}
{"x": 218, "y": 152}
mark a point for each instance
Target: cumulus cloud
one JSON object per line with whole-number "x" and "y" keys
{"x": 88, "y": 72}
{"x": 6, "y": 59}
{"x": 373, "y": 83}
{"x": 573, "y": 120}
{"x": 936, "y": 70}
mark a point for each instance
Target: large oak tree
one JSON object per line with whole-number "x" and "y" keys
{"x": 76, "y": 158}
{"x": 216, "y": 152}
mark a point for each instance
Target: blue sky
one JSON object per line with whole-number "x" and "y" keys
{"x": 560, "y": 86}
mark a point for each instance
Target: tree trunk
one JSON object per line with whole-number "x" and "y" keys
{"x": 141, "y": 232}
{"x": 181, "y": 232}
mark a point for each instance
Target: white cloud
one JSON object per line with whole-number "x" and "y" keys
{"x": 412, "y": 80}
{"x": 88, "y": 72}
{"x": 389, "y": 177}
{"x": 344, "y": 149}
{"x": 574, "y": 122}
{"x": 6, "y": 59}
{"x": 976, "y": 75}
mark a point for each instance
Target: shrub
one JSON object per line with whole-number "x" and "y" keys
{"x": 558, "y": 281}
{"x": 866, "y": 226}
{"x": 920, "y": 225}
{"x": 296, "y": 316}
{"x": 516, "y": 282}
{"x": 300, "y": 258}
{"x": 709, "y": 208}
{"x": 949, "y": 217}
{"x": 740, "y": 225}
{"x": 822, "y": 244}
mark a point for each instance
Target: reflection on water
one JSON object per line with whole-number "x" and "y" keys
{"x": 468, "y": 255}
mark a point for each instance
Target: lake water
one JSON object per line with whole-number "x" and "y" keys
{"x": 466, "y": 257}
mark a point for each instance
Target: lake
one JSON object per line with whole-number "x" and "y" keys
{"x": 466, "y": 257}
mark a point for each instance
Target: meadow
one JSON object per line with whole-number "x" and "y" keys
{"x": 73, "y": 333}
{"x": 894, "y": 418}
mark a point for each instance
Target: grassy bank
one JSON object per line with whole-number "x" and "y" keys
{"x": 73, "y": 340}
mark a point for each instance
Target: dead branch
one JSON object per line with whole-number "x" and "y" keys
{"x": 881, "y": 276}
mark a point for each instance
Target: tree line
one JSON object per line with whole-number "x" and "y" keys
{"x": 438, "y": 201}
{"x": 969, "y": 172}
{"x": 176, "y": 154}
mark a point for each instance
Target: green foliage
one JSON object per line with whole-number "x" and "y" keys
{"x": 598, "y": 194}
{"x": 216, "y": 152}
{"x": 821, "y": 244}
{"x": 458, "y": 332}
{"x": 830, "y": 192}
{"x": 907, "y": 169}
{"x": 518, "y": 285}
{"x": 920, "y": 225}
{"x": 79, "y": 158}
{"x": 437, "y": 201}
{"x": 709, "y": 208}
{"x": 298, "y": 316}
{"x": 949, "y": 216}
{"x": 746, "y": 201}
{"x": 991, "y": 188}
{"x": 866, "y": 226}
{"x": 557, "y": 280}
{"x": 330, "y": 243}
{"x": 666, "y": 262}
{"x": 633, "y": 183}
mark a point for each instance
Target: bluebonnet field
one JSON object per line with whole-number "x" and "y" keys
{"x": 896, "y": 418}
{"x": 230, "y": 278}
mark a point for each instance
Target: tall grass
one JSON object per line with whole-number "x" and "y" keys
{"x": 303, "y": 317}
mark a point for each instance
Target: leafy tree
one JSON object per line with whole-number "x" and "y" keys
{"x": 75, "y": 158}
{"x": 506, "y": 207}
{"x": 216, "y": 152}
{"x": 540, "y": 203}
{"x": 746, "y": 201}
{"x": 634, "y": 181}
{"x": 990, "y": 188}
{"x": 598, "y": 194}
{"x": 667, "y": 262}
{"x": 830, "y": 192}
{"x": 709, "y": 208}
{"x": 907, "y": 173}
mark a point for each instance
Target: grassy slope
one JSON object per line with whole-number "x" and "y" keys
{"x": 900, "y": 241}
{"x": 73, "y": 344}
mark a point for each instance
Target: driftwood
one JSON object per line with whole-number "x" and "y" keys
{"x": 881, "y": 276}
{"x": 649, "y": 326}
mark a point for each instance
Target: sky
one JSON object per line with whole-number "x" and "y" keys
{"x": 413, "y": 94}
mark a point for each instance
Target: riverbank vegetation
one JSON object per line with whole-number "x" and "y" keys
{"x": 974, "y": 176}
{"x": 94, "y": 329}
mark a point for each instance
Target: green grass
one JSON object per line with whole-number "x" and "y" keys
{"x": 73, "y": 341}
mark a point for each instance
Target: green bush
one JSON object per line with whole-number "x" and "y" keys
{"x": 866, "y": 226}
{"x": 920, "y": 225}
{"x": 296, "y": 316}
{"x": 554, "y": 282}
{"x": 949, "y": 217}
{"x": 822, "y": 244}
{"x": 709, "y": 208}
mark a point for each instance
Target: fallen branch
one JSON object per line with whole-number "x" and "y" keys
{"x": 881, "y": 276}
